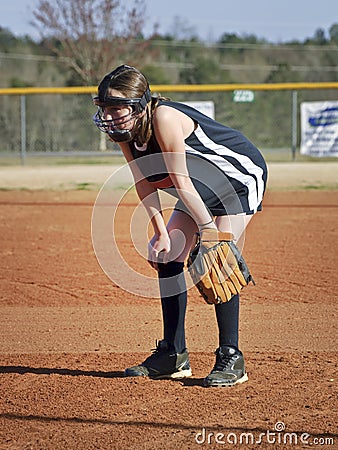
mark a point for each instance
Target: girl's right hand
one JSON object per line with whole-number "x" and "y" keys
{"x": 158, "y": 250}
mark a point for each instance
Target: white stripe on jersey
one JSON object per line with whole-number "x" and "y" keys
{"x": 255, "y": 188}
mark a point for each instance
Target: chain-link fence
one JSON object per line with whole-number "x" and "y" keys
{"x": 61, "y": 125}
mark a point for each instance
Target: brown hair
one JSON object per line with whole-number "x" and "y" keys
{"x": 131, "y": 83}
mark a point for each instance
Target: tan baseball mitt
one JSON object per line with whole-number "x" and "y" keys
{"x": 217, "y": 267}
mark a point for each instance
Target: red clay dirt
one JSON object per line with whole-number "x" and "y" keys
{"x": 68, "y": 332}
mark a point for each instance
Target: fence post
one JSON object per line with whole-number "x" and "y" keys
{"x": 294, "y": 123}
{"x": 23, "y": 129}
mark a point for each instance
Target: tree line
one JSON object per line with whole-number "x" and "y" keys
{"x": 82, "y": 39}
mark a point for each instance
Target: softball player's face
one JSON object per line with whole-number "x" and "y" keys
{"x": 119, "y": 115}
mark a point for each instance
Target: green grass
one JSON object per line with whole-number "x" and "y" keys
{"x": 271, "y": 155}
{"x": 61, "y": 160}
{"x": 85, "y": 186}
{"x": 320, "y": 187}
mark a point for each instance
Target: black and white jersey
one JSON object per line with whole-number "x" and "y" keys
{"x": 228, "y": 171}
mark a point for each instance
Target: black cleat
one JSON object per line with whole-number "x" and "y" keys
{"x": 164, "y": 362}
{"x": 229, "y": 368}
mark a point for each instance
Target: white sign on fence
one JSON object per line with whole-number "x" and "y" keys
{"x": 319, "y": 128}
{"x": 206, "y": 107}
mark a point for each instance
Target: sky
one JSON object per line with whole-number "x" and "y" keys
{"x": 275, "y": 21}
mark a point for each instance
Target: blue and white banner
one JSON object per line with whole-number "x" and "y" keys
{"x": 319, "y": 128}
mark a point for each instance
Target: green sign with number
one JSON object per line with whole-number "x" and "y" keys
{"x": 242, "y": 96}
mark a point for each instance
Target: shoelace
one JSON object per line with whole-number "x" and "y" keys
{"x": 222, "y": 361}
{"x": 159, "y": 348}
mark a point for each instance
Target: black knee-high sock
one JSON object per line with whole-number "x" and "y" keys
{"x": 174, "y": 302}
{"x": 227, "y": 315}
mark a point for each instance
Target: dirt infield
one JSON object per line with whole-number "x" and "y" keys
{"x": 282, "y": 176}
{"x": 68, "y": 332}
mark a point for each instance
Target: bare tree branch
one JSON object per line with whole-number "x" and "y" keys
{"x": 92, "y": 36}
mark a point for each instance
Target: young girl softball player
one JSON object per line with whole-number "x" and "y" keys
{"x": 219, "y": 179}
